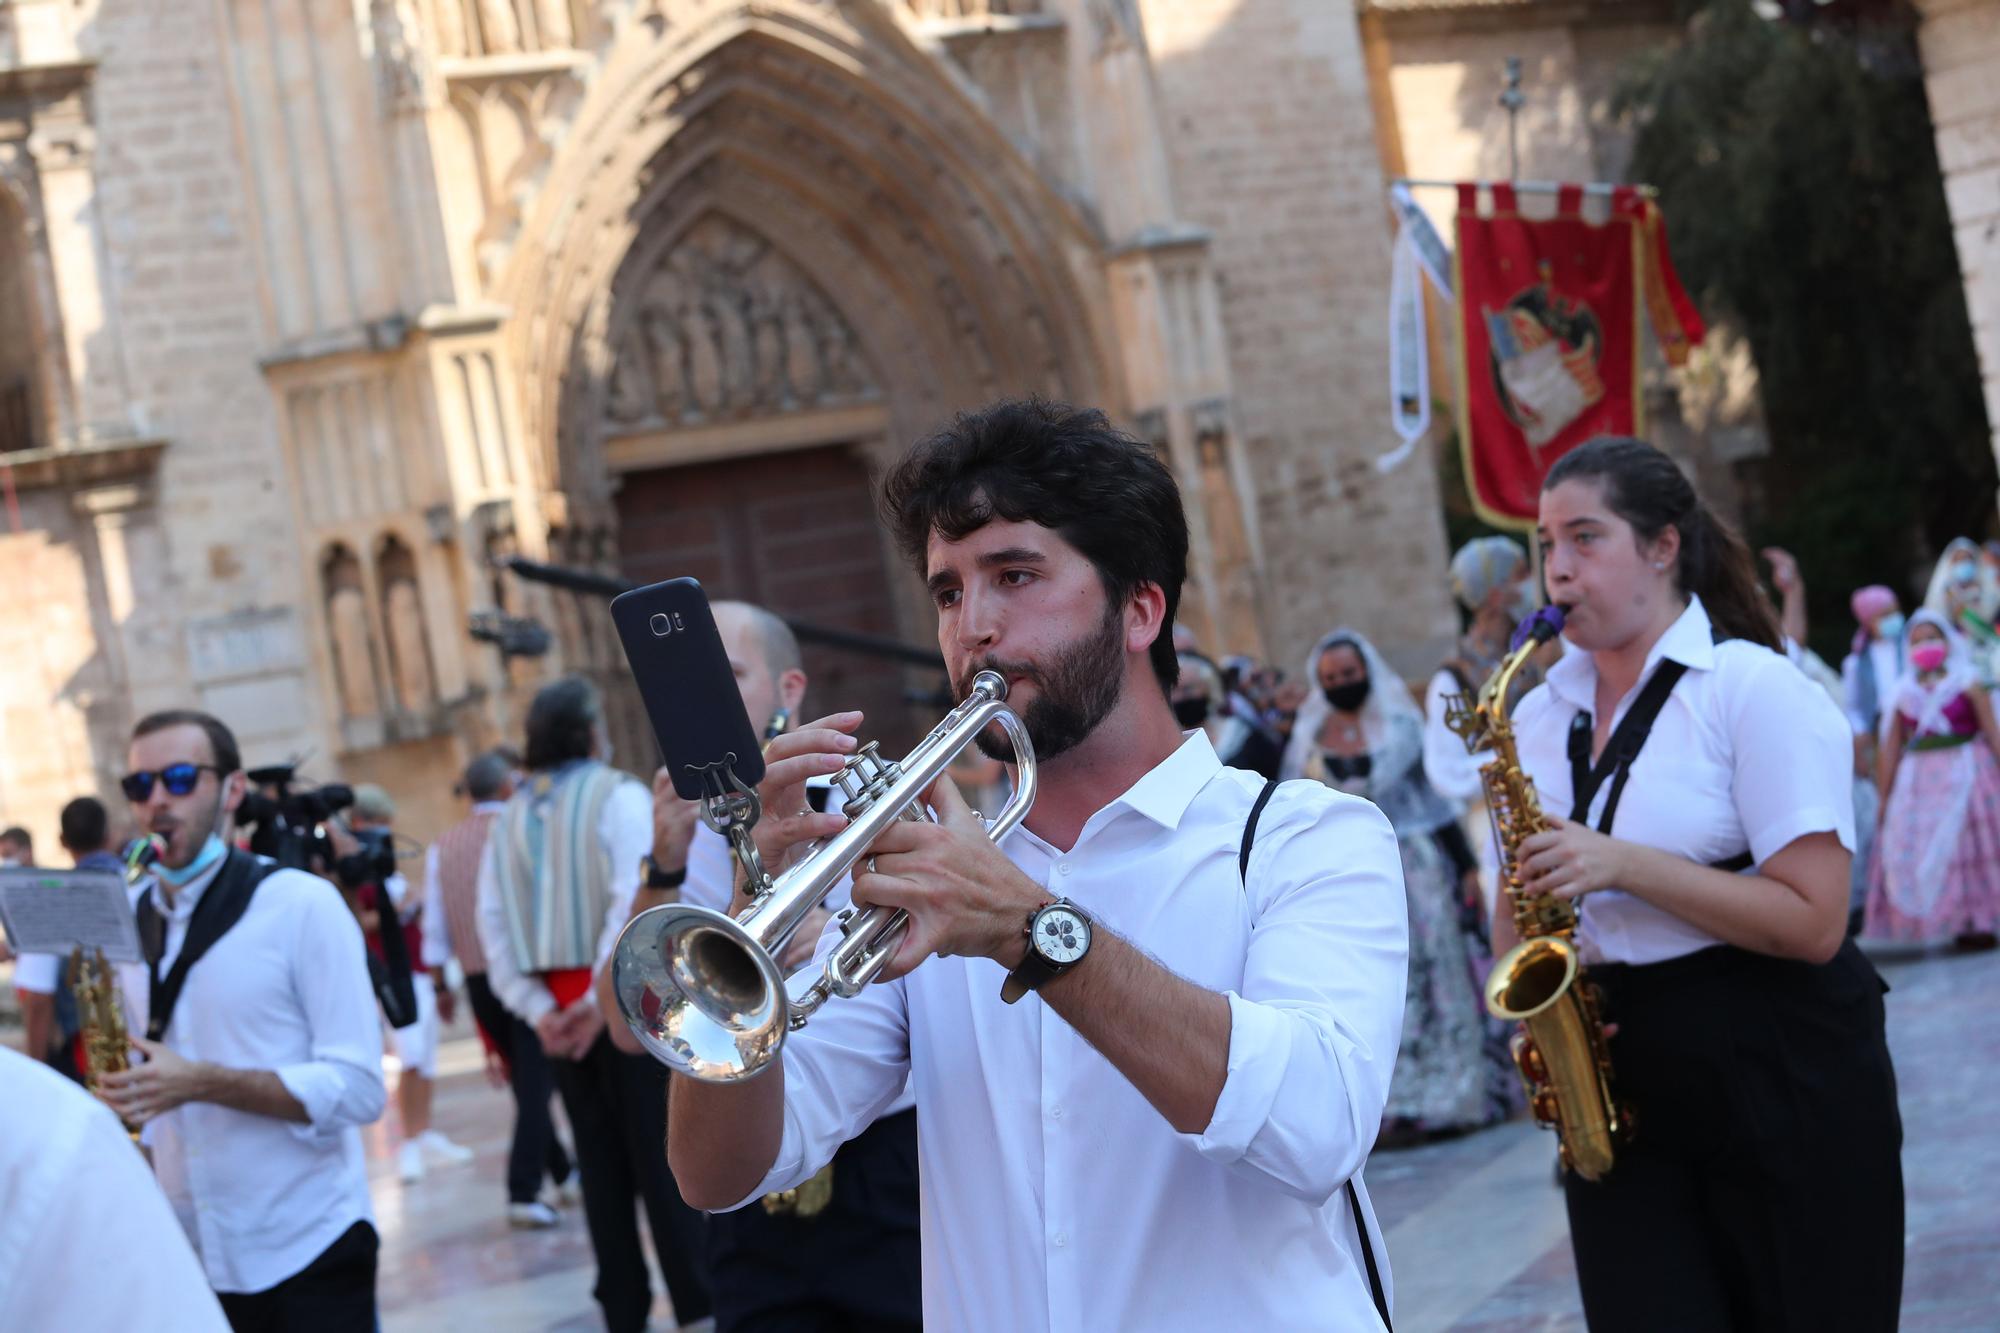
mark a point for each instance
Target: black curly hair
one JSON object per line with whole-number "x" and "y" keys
{"x": 1029, "y": 460}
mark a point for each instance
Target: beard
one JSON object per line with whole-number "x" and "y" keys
{"x": 186, "y": 836}
{"x": 1075, "y": 691}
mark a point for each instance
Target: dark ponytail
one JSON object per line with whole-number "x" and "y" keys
{"x": 1645, "y": 488}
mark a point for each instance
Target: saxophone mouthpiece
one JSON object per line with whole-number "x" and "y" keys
{"x": 1542, "y": 626}
{"x": 143, "y": 853}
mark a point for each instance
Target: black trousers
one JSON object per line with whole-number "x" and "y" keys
{"x": 853, "y": 1267}
{"x": 536, "y": 1149}
{"x": 334, "y": 1293}
{"x": 1762, "y": 1188}
{"x": 617, "y": 1107}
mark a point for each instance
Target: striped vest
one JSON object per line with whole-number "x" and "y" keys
{"x": 552, "y": 868}
{"x": 458, "y": 851}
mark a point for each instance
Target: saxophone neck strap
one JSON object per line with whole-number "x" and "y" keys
{"x": 221, "y": 906}
{"x": 1619, "y": 752}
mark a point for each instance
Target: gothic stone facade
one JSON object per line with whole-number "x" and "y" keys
{"x": 311, "y": 312}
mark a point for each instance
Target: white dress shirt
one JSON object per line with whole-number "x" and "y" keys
{"x": 1747, "y": 753}
{"x": 86, "y": 1239}
{"x": 625, "y": 829}
{"x": 285, "y": 990}
{"x": 1054, "y": 1196}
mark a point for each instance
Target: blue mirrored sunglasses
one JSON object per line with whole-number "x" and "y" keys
{"x": 180, "y": 780}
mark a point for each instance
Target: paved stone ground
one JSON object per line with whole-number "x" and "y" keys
{"x": 1476, "y": 1227}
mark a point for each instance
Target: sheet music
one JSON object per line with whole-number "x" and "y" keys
{"x": 54, "y": 911}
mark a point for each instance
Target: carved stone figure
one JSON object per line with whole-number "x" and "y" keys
{"x": 347, "y": 629}
{"x": 729, "y": 327}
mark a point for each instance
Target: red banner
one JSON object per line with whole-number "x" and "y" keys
{"x": 1549, "y": 314}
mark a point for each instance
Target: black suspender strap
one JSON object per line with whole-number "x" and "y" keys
{"x": 1619, "y": 752}
{"x": 221, "y": 906}
{"x": 1353, "y": 1197}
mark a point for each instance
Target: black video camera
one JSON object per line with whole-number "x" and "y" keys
{"x": 287, "y": 825}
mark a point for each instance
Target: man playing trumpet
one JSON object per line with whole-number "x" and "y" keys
{"x": 1146, "y": 1074}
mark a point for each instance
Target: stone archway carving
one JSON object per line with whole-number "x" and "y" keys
{"x": 725, "y": 327}
{"x": 826, "y": 134}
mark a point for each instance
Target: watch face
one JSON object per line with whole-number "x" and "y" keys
{"x": 1061, "y": 936}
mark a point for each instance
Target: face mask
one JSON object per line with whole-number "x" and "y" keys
{"x": 1964, "y": 571}
{"x": 1192, "y": 711}
{"x": 1526, "y": 598}
{"x": 1347, "y": 697}
{"x": 211, "y": 852}
{"x": 1928, "y": 656}
{"x": 1890, "y": 627}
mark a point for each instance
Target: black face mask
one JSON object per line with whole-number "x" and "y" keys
{"x": 1347, "y": 697}
{"x": 1192, "y": 711}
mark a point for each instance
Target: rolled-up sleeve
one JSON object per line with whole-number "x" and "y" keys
{"x": 848, "y": 1066}
{"x": 340, "y": 1082}
{"x": 1314, "y": 1030}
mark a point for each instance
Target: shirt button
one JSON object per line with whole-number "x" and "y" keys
{"x": 1063, "y": 869}
{"x": 1055, "y": 1113}
{"x": 1061, "y": 1238}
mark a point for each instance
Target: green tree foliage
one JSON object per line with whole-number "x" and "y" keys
{"x": 1798, "y": 172}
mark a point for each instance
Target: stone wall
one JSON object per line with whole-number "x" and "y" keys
{"x": 1960, "y": 40}
{"x": 1272, "y": 141}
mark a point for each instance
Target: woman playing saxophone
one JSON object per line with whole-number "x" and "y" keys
{"x": 1695, "y": 788}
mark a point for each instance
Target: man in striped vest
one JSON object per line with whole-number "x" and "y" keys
{"x": 556, "y": 882}
{"x": 451, "y": 900}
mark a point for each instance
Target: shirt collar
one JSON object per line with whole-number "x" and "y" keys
{"x": 1165, "y": 792}
{"x": 1690, "y": 640}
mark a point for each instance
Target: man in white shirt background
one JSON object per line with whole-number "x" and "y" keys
{"x": 265, "y": 1054}
{"x": 555, "y": 887}
{"x": 842, "y": 1251}
{"x": 1167, "y": 1129}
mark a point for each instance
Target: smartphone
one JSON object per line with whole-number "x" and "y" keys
{"x": 683, "y": 673}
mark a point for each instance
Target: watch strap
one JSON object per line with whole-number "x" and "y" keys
{"x": 1035, "y": 971}
{"x": 652, "y": 877}
{"x": 1031, "y": 974}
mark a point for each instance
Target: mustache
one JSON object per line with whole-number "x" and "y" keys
{"x": 1010, "y": 671}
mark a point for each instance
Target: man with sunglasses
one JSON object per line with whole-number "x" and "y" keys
{"x": 262, "y": 1056}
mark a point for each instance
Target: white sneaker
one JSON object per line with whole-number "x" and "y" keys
{"x": 534, "y": 1216}
{"x": 410, "y": 1162}
{"x": 443, "y": 1149}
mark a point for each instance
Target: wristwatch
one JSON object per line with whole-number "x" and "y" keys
{"x": 652, "y": 877}
{"x": 1058, "y": 938}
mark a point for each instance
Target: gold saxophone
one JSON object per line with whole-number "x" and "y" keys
{"x": 1560, "y": 1049}
{"x": 100, "y": 1004}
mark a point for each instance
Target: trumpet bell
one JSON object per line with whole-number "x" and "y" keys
{"x": 699, "y": 993}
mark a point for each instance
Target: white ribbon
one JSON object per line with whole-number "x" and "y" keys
{"x": 1417, "y": 246}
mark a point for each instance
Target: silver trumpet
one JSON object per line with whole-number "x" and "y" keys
{"x": 703, "y": 992}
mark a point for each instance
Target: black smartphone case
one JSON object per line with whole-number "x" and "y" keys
{"x": 683, "y": 673}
